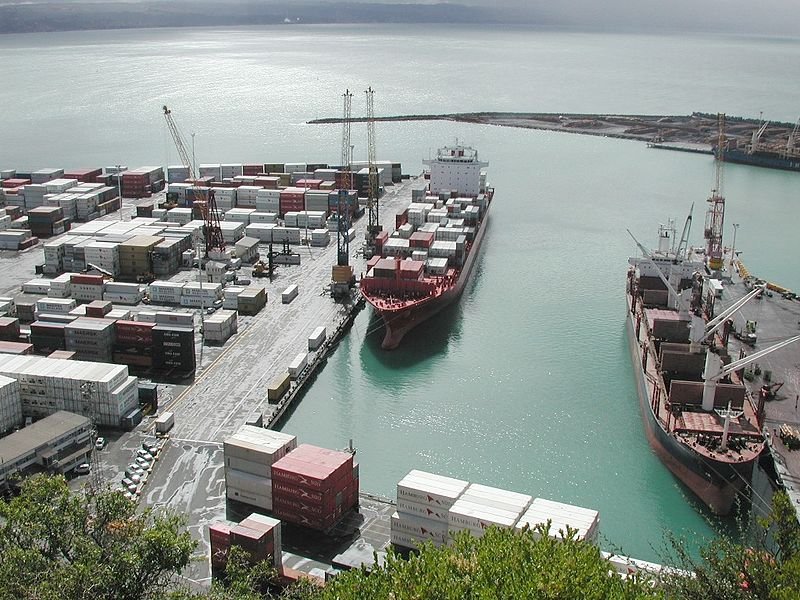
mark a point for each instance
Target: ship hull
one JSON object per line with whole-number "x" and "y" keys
{"x": 398, "y": 323}
{"x": 762, "y": 160}
{"x": 716, "y": 483}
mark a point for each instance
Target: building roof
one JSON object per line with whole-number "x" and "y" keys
{"x": 39, "y": 434}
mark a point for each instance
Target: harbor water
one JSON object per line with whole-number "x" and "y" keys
{"x": 526, "y": 383}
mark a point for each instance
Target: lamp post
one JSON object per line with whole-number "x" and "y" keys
{"x": 733, "y": 246}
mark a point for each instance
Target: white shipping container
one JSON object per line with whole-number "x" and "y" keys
{"x": 405, "y": 540}
{"x": 426, "y": 511}
{"x": 297, "y": 365}
{"x": 584, "y": 520}
{"x": 316, "y": 338}
{"x": 428, "y": 488}
{"x": 289, "y": 294}
{"x": 464, "y": 514}
{"x": 263, "y": 502}
{"x": 248, "y": 482}
{"x": 419, "y": 527}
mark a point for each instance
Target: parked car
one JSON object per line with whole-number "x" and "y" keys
{"x": 135, "y": 468}
{"x": 145, "y": 464}
{"x": 82, "y": 469}
{"x": 242, "y": 281}
{"x": 217, "y": 304}
{"x": 100, "y": 443}
{"x": 144, "y": 454}
{"x": 151, "y": 447}
{"x": 211, "y": 310}
{"x": 133, "y": 477}
{"x": 129, "y": 484}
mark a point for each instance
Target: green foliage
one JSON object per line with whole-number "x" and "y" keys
{"x": 501, "y": 564}
{"x": 58, "y": 545}
{"x": 729, "y": 570}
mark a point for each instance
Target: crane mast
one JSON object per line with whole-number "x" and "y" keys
{"x": 343, "y": 212}
{"x": 715, "y": 216}
{"x": 373, "y": 227}
{"x": 342, "y": 278}
{"x": 212, "y": 232}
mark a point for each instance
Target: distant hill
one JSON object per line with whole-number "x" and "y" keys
{"x": 82, "y": 15}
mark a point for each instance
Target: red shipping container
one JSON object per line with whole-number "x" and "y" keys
{"x": 309, "y": 184}
{"x": 421, "y": 239}
{"x": 291, "y": 505}
{"x": 251, "y": 169}
{"x": 43, "y": 328}
{"x": 15, "y": 183}
{"x": 10, "y": 347}
{"x": 411, "y": 269}
{"x": 281, "y": 490}
{"x": 83, "y": 175}
{"x": 86, "y": 279}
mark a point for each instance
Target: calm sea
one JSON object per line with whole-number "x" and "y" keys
{"x": 526, "y": 384}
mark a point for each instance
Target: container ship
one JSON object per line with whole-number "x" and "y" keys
{"x": 761, "y": 153}
{"x": 699, "y": 417}
{"x": 425, "y": 263}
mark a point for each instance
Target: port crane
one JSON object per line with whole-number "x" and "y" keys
{"x": 755, "y": 140}
{"x": 212, "y": 232}
{"x": 715, "y": 216}
{"x": 373, "y": 226}
{"x": 342, "y": 278}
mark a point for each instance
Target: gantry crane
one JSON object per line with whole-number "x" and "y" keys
{"x": 373, "y": 225}
{"x": 715, "y": 216}
{"x": 342, "y": 279}
{"x": 212, "y": 232}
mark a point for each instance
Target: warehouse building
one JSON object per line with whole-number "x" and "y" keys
{"x": 56, "y": 444}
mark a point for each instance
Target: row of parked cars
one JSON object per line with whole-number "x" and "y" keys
{"x": 137, "y": 471}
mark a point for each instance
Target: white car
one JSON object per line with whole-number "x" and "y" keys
{"x": 144, "y": 454}
{"x": 129, "y": 484}
{"x": 134, "y": 477}
{"x": 82, "y": 469}
{"x": 135, "y": 468}
{"x": 145, "y": 464}
{"x": 100, "y": 443}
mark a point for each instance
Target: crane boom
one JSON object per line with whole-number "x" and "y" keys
{"x": 743, "y": 362}
{"x": 373, "y": 227}
{"x": 180, "y": 144}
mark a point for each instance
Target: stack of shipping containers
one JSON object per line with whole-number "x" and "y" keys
{"x": 136, "y": 256}
{"x": 423, "y": 503}
{"x": 142, "y": 182}
{"x": 220, "y": 326}
{"x": 90, "y": 339}
{"x": 10, "y": 405}
{"x": 47, "y": 221}
{"x": 249, "y": 455}
{"x": 481, "y": 506}
{"x": 173, "y": 349}
{"x": 251, "y": 300}
{"x": 314, "y": 487}
{"x": 258, "y": 535}
{"x": 134, "y": 344}
{"x": 436, "y": 508}
{"x": 86, "y": 288}
{"x": 103, "y": 392}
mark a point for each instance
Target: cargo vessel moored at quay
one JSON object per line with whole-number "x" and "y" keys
{"x": 426, "y": 262}
{"x": 699, "y": 417}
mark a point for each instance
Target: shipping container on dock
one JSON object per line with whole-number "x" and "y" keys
{"x": 91, "y": 339}
{"x": 249, "y": 455}
{"x": 101, "y": 391}
{"x": 259, "y": 536}
{"x": 289, "y": 294}
{"x": 584, "y": 521}
{"x": 278, "y": 387}
{"x": 297, "y": 365}
{"x": 251, "y": 300}
{"x": 220, "y": 326}
{"x": 316, "y": 339}
{"x": 173, "y": 349}
{"x": 9, "y": 329}
{"x": 314, "y": 487}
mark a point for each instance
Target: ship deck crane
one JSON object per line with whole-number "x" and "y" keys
{"x": 212, "y": 232}
{"x": 755, "y": 141}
